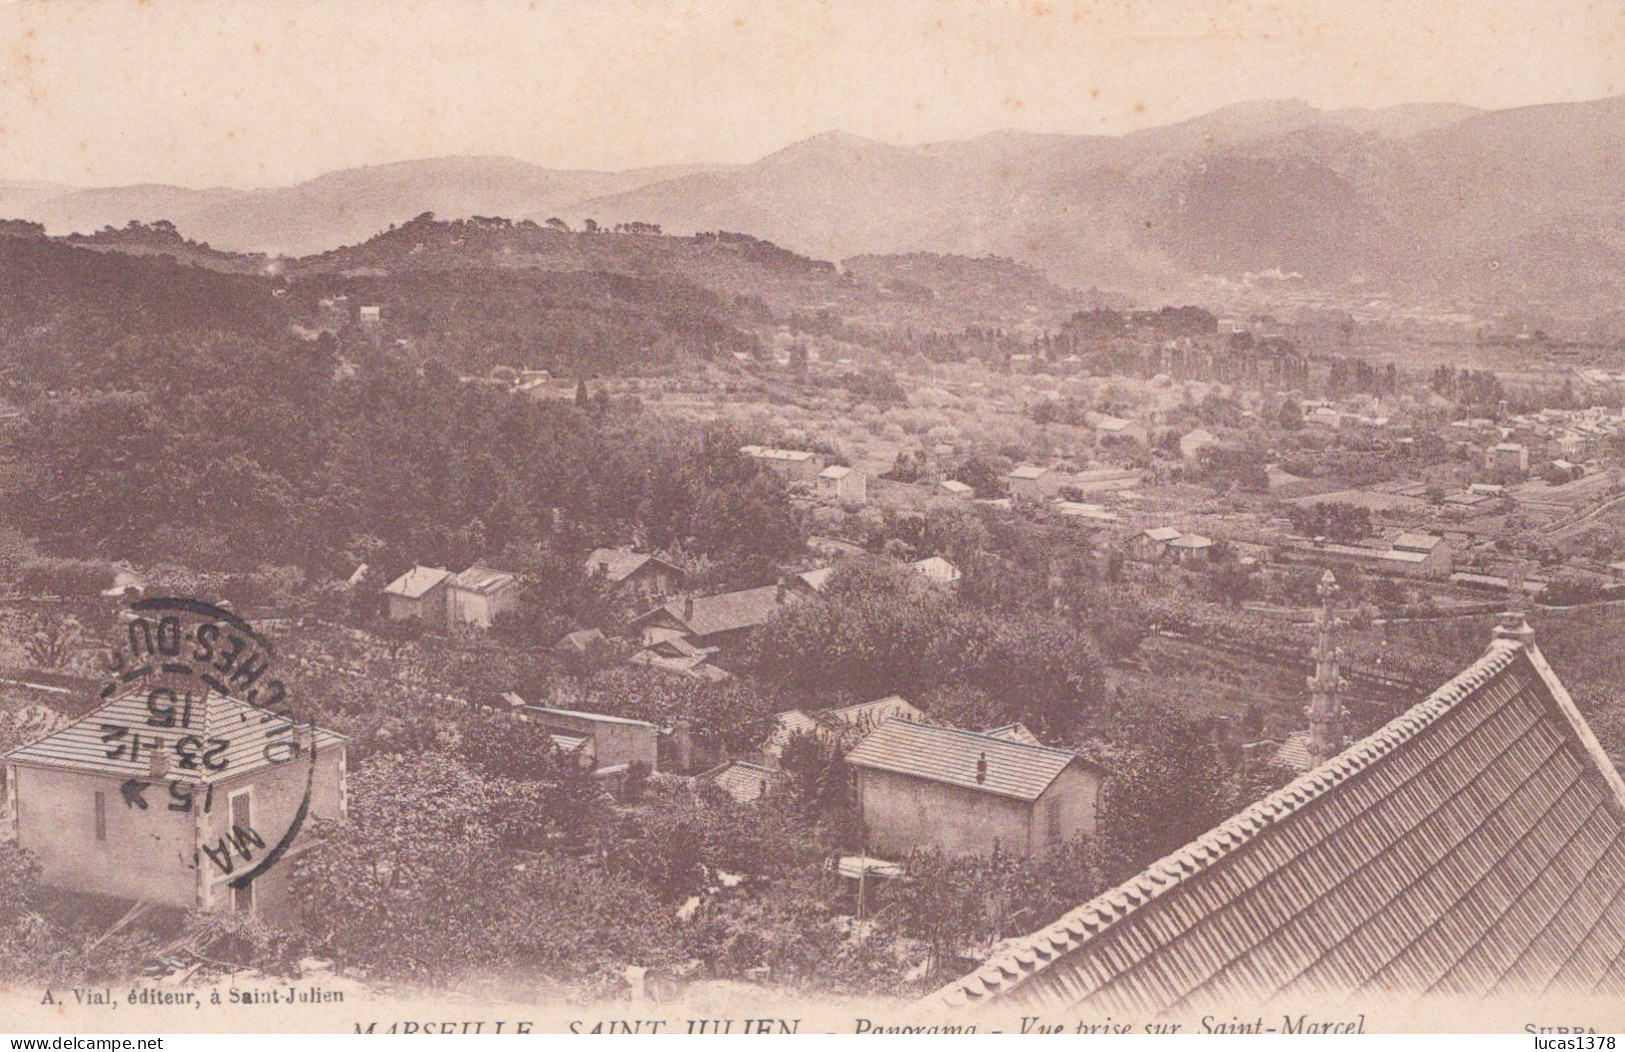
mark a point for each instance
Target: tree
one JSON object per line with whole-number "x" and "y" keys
{"x": 1169, "y": 787}
{"x": 51, "y": 647}
{"x": 727, "y": 717}
{"x": 820, "y": 782}
{"x": 419, "y": 881}
{"x": 1232, "y": 582}
{"x": 877, "y": 627}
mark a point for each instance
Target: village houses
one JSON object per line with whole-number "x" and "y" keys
{"x": 418, "y": 593}
{"x": 438, "y": 597}
{"x": 843, "y": 484}
{"x": 1150, "y": 545}
{"x": 479, "y": 594}
{"x": 110, "y": 806}
{"x": 1509, "y": 457}
{"x": 1033, "y": 483}
{"x": 922, "y": 787}
{"x": 714, "y": 621}
{"x": 1108, "y": 428}
{"x": 842, "y": 727}
{"x": 796, "y": 465}
{"x": 635, "y": 574}
{"x": 607, "y": 744}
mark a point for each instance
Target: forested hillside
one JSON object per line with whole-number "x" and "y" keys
{"x": 170, "y": 413}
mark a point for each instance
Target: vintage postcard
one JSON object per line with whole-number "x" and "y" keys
{"x": 723, "y": 517}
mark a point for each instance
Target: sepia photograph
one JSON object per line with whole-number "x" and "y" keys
{"x": 710, "y": 517}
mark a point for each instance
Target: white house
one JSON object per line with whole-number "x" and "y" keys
{"x": 478, "y": 594}
{"x": 843, "y": 484}
{"x": 1033, "y": 482}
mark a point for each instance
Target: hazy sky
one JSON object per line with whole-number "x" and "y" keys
{"x": 257, "y": 92}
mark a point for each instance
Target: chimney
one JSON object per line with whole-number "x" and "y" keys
{"x": 1325, "y": 686}
{"x": 603, "y": 567}
{"x": 779, "y": 592}
{"x": 981, "y": 769}
{"x": 688, "y": 608}
{"x": 157, "y": 763}
{"x": 1514, "y": 623}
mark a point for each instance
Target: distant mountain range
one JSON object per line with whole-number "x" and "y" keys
{"x": 340, "y": 208}
{"x": 1522, "y": 206}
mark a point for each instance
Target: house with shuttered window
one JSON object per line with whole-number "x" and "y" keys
{"x": 137, "y": 802}
{"x": 922, "y": 787}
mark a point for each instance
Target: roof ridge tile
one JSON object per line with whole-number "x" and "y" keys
{"x": 1117, "y": 903}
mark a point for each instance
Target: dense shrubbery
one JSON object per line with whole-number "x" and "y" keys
{"x": 879, "y": 628}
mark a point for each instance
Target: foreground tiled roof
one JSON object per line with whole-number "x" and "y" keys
{"x": 1474, "y": 846}
{"x": 254, "y": 739}
{"x": 955, "y": 757}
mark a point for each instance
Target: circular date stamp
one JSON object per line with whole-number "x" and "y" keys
{"x": 192, "y": 692}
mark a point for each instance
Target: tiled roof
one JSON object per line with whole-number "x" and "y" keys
{"x": 835, "y": 471}
{"x": 768, "y": 453}
{"x": 1473, "y": 846}
{"x": 1191, "y": 540}
{"x": 936, "y": 568}
{"x": 254, "y": 738}
{"x": 816, "y": 579}
{"x": 416, "y": 582}
{"x": 616, "y": 564}
{"x": 745, "y": 782}
{"x": 1296, "y": 752}
{"x": 1028, "y": 471}
{"x": 1354, "y": 551}
{"x": 1163, "y": 534}
{"x": 728, "y": 611}
{"x": 1015, "y": 732}
{"x": 622, "y": 563}
{"x": 582, "y": 638}
{"x": 595, "y": 717}
{"x": 860, "y": 718}
{"x": 867, "y": 715}
{"x": 481, "y": 579}
{"x": 787, "y": 725}
{"x": 942, "y": 754}
{"x": 1417, "y": 542}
